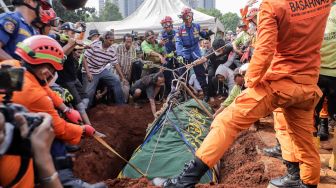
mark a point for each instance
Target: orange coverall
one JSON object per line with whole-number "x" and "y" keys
{"x": 283, "y": 73}
{"x": 37, "y": 98}
{"x": 282, "y": 134}
{"x": 9, "y": 167}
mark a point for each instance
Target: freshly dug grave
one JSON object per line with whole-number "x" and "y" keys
{"x": 125, "y": 127}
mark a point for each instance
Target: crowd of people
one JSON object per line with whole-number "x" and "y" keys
{"x": 66, "y": 74}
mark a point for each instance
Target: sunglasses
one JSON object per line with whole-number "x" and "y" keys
{"x": 189, "y": 15}
{"x": 55, "y": 22}
{"x": 166, "y": 25}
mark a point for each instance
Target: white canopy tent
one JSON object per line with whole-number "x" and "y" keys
{"x": 149, "y": 15}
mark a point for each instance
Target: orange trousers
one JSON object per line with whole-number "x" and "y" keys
{"x": 283, "y": 136}
{"x": 297, "y": 102}
{"x": 324, "y": 112}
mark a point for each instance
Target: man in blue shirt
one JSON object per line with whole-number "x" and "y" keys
{"x": 187, "y": 46}
{"x": 20, "y": 24}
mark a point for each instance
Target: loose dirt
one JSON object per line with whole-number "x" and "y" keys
{"x": 125, "y": 128}
{"x": 242, "y": 166}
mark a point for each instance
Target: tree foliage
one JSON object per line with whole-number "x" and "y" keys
{"x": 229, "y": 20}
{"x": 110, "y": 12}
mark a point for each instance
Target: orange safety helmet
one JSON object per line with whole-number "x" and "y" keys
{"x": 41, "y": 49}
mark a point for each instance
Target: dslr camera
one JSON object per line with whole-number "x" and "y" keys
{"x": 11, "y": 80}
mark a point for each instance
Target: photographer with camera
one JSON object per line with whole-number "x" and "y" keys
{"x": 16, "y": 163}
{"x": 42, "y": 57}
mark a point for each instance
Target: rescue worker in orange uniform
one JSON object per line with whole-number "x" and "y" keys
{"x": 42, "y": 57}
{"x": 292, "y": 177}
{"x": 35, "y": 95}
{"x": 283, "y": 73}
{"x": 284, "y": 147}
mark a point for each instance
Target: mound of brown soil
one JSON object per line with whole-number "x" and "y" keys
{"x": 241, "y": 165}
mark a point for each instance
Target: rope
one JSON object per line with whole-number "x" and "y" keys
{"x": 157, "y": 142}
{"x": 184, "y": 139}
{"x": 178, "y": 86}
{"x": 102, "y": 142}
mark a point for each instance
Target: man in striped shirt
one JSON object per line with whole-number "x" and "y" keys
{"x": 97, "y": 67}
{"x": 127, "y": 55}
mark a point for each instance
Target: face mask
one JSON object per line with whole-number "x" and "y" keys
{"x": 218, "y": 53}
{"x": 252, "y": 28}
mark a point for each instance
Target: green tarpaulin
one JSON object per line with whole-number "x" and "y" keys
{"x": 170, "y": 143}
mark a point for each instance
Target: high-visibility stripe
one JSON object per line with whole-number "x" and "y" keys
{"x": 27, "y": 49}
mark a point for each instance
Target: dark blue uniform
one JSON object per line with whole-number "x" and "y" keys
{"x": 170, "y": 45}
{"x": 187, "y": 46}
{"x": 171, "y": 61}
{"x": 187, "y": 41}
{"x": 13, "y": 29}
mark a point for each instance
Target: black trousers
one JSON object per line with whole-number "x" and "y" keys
{"x": 328, "y": 86}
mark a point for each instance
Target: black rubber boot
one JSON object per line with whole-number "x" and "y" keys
{"x": 323, "y": 131}
{"x": 190, "y": 176}
{"x": 291, "y": 179}
{"x": 302, "y": 185}
{"x": 274, "y": 151}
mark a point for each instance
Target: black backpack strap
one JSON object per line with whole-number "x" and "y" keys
{"x": 22, "y": 171}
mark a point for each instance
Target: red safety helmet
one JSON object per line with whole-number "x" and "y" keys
{"x": 167, "y": 19}
{"x": 185, "y": 12}
{"x": 252, "y": 12}
{"x": 167, "y": 22}
{"x": 44, "y": 11}
{"x": 41, "y": 49}
{"x": 46, "y": 16}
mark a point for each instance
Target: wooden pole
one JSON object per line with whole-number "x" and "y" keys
{"x": 198, "y": 102}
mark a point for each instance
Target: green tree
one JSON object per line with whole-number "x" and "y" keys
{"x": 211, "y": 12}
{"x": 229, "y": 20}
{"x": 110, "y": 12}
{"x": 82, "y": 14}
